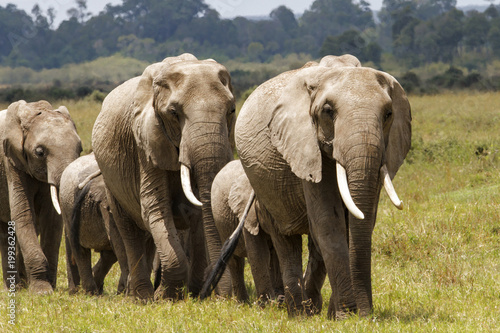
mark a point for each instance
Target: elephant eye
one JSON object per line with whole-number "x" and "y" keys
{"x": 328, "y": 109}
{"x": 40, "y": 152}
{"x": 388, "y": 115}
{"x": 172, "y": 111}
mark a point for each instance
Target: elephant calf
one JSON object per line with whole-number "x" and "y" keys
{"x": 89, "y": 225}
{"x": 230, "y": 191}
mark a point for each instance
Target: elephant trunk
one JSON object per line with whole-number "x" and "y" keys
{"x": 54, "y": 173}
{"x": 362, "y": 158}
{"x": 211, "y": 153}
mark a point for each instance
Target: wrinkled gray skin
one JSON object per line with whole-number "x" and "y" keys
{"x": 180, "y": 111}
{"x": 230, "y": 191}
{"x": 290, "y": 133}
{"x": 38, "y": 142}
{"x": 92, "y": 227}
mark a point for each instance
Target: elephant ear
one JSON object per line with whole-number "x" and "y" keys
{"x": 238, "y": 198}
{"x": 149, "y": 131}
{"x": 17, "y": 120}
{"x": 292, "y": 131}
{"x": 400, "y": 133}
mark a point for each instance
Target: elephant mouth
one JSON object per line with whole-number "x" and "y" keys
{"x": 346, "y": 194}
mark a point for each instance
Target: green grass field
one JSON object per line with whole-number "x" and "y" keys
{"x": 436, "y": 264}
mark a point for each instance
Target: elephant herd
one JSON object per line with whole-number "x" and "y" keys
{"x": 161, "y": 192}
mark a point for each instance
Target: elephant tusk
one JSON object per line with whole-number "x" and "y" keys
{"x": 389, "y": 188}
{"x": 345, "y": 194}
{"x": 186, "y": 186}
{"x": 55, "y": 200}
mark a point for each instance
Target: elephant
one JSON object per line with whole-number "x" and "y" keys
{"x": 38, "y": 142}
{"x": 317, "y": 144}
{"x": 230, "y": 188}
{"x": 88, "y": 225}
{"x": 159, "y": 141}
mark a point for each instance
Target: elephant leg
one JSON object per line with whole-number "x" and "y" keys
{"x": 71, "y": 268}
{"x": 275, "y": 272}
{"x": 198, "y": 255}
{"x": 157, "y": 271}
{"x": 237, "y": 269}
{"x": 22, "y": 191}
{"x": 3, "y": 250}
{"x": 51, "y": 230}
{"x": 23, "y": 280}
{"x": 102, "y": 267}
{"x": 134, "y": 241}
{"x": 259, "y": 259}
{"x": 9, "y": 267}
{"x": 328, "y": 229}
{"x": 156, "y": 203}
{"x": 83, "y": 259}
{"x": 118, "y": 248}
{"x": 289, "y": 251}
{"x": 314, "y": 277}
{"x": 174, "y": 264}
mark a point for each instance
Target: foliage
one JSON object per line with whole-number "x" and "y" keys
{"x": 435, "y": 263}
{"x": 351, "y": 42}
{"x": 416, "y": 32}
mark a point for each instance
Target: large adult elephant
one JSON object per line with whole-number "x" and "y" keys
{"x": 173, "y": 121}
{"x": 317, "y": 145}
{"x": 38, "y": 143}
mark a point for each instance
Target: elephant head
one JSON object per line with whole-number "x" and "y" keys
{"x": 357, "y": 116}
{"x": 170, "y": 125}
{"x": 40, "y": 141}
{"x": 358, "y": 119}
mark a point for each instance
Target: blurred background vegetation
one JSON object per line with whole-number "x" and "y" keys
{"x": 430, "y": 45}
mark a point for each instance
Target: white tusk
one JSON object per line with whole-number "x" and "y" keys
{"x": 389, "y": 188}
{"x": 55, "y": 200}
{"x": 186, "y": 186}
{"x": 345, "y": 194}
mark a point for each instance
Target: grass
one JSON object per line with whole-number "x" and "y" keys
{"x": 436, "y": 264}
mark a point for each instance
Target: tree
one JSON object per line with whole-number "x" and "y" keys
{"x": 438, "y": 39}
{"x": 476, "y": 30}
{"x": 494, "y": 36}
{"x": 158, "y": 19}
{"x": 351, "y": 42}
{"x": 80, "y": 11}
{"x": 333, "y": 17}
{"x": 403, "y": 34}
{"x": 254, "y": 51}
{"x": 286, "y": 18}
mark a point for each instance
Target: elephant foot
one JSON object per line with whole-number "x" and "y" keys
{"x": 342, "y": 314}
{"x": 309, "y": 308}
{"x": 73, "y": 290}
{"x": 169, "y": 293}
{"x": 145, "y": 294}
{"x": 40, "y": 287}
{"x": 93, "y": 291}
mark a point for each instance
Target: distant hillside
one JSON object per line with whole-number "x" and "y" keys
{"x": 479, "y": 8}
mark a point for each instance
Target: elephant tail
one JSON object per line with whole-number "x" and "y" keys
{"x": 76, "y": 214}
{"x": 227, "y": 251}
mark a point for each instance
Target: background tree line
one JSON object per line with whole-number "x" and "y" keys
{"x": 410, "y": 32}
